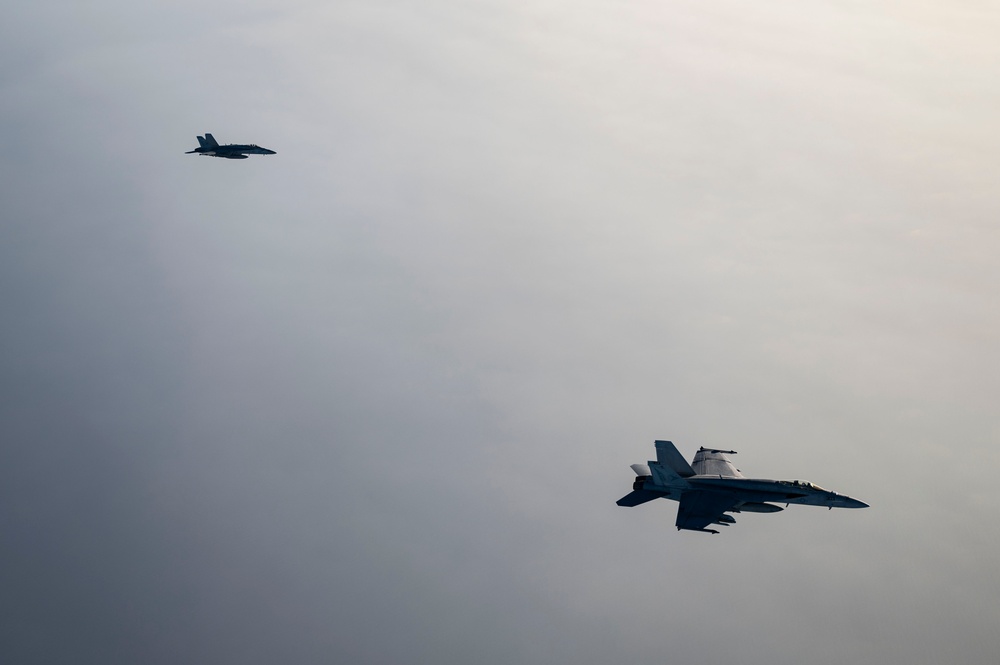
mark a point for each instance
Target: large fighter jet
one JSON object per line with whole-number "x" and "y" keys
{"x": 711, "y": 486}
{"x": 211, "y": 148}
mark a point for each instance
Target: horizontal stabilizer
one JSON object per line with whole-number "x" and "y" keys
{"x": 668, "y": 455}
{"x": 637, "y": 497}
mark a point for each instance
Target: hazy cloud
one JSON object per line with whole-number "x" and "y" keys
{"x": 372, "y": 399}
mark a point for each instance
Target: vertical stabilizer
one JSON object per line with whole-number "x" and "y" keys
{"x": 210, "y": 141}
{"x": 668, "y": 455}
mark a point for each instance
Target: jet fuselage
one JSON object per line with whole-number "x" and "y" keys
{"x": 798, "y": 492}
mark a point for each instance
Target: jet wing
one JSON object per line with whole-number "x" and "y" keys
{"x": 699, "y": 508}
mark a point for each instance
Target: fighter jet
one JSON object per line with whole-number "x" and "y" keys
{"x": 211, "y": 148}
{"x": 711, "y": 486}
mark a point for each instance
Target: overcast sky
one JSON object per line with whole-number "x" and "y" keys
{"x": 372, "y": 399}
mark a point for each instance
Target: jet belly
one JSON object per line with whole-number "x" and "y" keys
{"x": 777, "y": 491}
{"x": 750, "y": 489}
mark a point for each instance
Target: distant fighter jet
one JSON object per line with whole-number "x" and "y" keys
{"x": 210, "y": 147}
{"x": 711, "y": 486}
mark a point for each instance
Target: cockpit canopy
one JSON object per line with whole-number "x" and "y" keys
{"x": 802, "y": 483}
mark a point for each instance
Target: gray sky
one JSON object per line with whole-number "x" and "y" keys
{"x": 372, "y": 399}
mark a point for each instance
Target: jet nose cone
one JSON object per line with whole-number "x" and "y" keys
{"x": 835, "y": 500}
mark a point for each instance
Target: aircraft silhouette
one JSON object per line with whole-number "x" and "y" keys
{"x": 711, "y": 486}
{"x": 209, "y": 147}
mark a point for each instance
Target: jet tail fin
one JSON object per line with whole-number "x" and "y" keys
{"x": 668, "y": 455}
{"x": 208, "y": 141}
